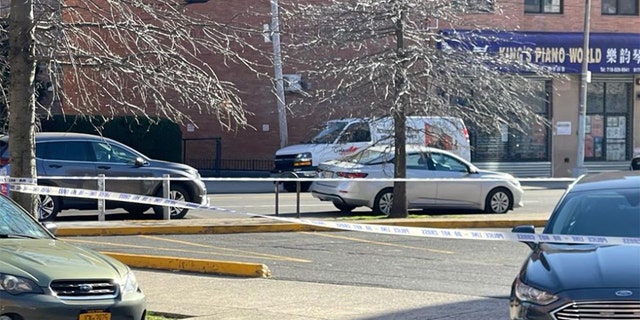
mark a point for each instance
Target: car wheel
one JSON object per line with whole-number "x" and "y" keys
{"x": 291, "y": 186}
{"x": 344, "y": 208}
{"x": 48, "y": 207}
{"x": 178, "y": 193}
{"x": 499, "y": 200}
{"x": 383, "y": 202}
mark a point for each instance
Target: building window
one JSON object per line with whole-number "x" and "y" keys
{"x": 510, "y": 145}
{"x": 620, "y": 7}
{"x": 607, "y": 127}
{"x": 543, "y": 6}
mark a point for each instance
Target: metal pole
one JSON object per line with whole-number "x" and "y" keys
{"x": 582, "y": 108}
{"x": 277, "y": 185}
{"x": 277, "y": 66}
{"x": 101, "y": 203}
{"x": 166, "y": 189}
{"x": 298, "y": 199}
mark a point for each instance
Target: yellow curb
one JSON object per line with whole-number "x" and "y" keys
{"x": 148, "y": 230}
{"x": 254, "y": 270}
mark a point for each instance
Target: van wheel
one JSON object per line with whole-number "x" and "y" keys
{"x": 344, "y": 208}
{"x": 48, "y": 207}
{"x": 179, "y": 193}
{"x": 499, "y": 200}
{"x": 291, "y": 186}
{"x": 383, "y": 202}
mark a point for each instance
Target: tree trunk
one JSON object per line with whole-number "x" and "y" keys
{"x": 399, "y": 208}
{"x": 22, "y": 98}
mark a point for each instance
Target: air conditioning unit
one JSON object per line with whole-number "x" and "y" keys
{"x": 292, "y": 82}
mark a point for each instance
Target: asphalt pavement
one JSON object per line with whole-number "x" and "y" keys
{"x": 211, "y": 289}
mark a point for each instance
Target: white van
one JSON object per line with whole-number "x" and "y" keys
{"x": 343, "y": 137}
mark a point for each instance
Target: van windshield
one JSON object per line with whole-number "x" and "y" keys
{"x": 330, "y": 133}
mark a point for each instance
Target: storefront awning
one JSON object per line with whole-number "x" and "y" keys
{"x": 559, "y": 51}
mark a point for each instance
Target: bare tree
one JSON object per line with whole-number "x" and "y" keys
{"x": 110, "y": 58}
{"x": 373, "y": 58}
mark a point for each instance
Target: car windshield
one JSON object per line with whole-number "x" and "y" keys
{"x": 370, "y": 156}
{"x": 330, "y": 133}
{"x": 15, "y": 222}
{"x": 611, "y": 212}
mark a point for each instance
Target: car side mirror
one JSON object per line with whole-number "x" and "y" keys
{"x": 140, "y": 162}
{"x": 526, "y": 229}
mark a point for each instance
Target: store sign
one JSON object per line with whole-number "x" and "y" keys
{"x": 559, "y": 51}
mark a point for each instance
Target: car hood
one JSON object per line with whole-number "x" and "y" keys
{"x": 172, "y": 167}
{"x": 44, "y": 260}
{"x": 555, "y": 268}
{"x": 490, "y": 174}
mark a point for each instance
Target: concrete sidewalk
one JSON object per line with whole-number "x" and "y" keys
{"x": 200, "y": 297}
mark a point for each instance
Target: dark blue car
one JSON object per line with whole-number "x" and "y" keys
{"x": 585, "y": 281}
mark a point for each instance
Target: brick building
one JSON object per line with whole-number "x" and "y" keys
{"x": 553, "y": 32}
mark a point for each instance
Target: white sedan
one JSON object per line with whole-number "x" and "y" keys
{"x": 443, "y": 180}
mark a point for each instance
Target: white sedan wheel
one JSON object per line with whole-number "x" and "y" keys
{"x": 498, "y": 201}
{"x": 383, "y": 202}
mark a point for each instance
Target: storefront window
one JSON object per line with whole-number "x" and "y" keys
{"x": 532, "y": 144}
{"x": 607, "y": 130}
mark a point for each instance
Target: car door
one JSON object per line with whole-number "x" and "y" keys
{"x": 118, "y": 162}
{"x": 456, "y": 188}
{"x": 420, "y": 193}
{"x": 62, "y": 160}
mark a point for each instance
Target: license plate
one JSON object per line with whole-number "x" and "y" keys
{"x": 95, "y": 316}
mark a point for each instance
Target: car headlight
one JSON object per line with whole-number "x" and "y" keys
{"x": 303, "y": 159}
{"x": 528, "y": 293}
{"x": 17, "y": 285}
{"x": 130, "y": 283}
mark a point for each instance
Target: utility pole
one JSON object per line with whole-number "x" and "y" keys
{"x": 277, "y": 66}
{"x": 580, "y": 169}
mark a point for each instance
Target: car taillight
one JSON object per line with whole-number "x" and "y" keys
{"x": 466, "y": 133}
{"x": 4, "y": 189}
{"x": 4, "y": 161}
{"x": 352, "y": 175}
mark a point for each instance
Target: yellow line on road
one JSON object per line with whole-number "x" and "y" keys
{"x": 256, "y": 256}
{"x": 250, "y": 253}
{"x": 376, "y": 242}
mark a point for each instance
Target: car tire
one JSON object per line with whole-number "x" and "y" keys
{"x": 48, "y": 207}
{"x": 179, "y": 193}
{"x": 383, "y": 202}
{"x": 344, "y": 208}
{"x": 499, "y": 200}
{"x": 291, "y": 186}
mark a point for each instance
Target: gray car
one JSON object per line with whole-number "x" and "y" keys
{"x": 78, "y": 156}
